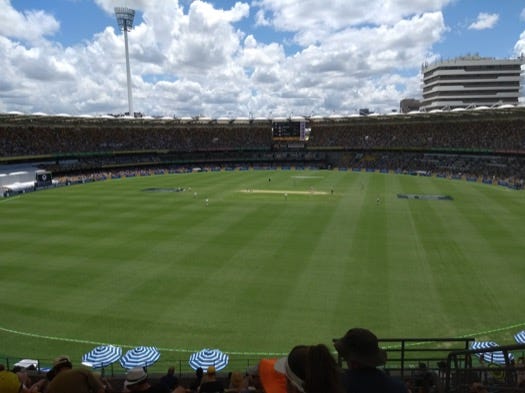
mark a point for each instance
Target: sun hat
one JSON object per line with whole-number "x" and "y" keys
{"x": 9, "y": 382}
{"x": 361, "y": 346}
{"x": 271, "y": 380}
{"x": 134, "y": 376}
{"x": 283, "y": 366}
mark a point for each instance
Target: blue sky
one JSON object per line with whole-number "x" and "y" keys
{"x": 225, "y": 58}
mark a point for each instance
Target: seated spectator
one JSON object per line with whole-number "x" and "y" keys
{"x": 9, "y": 383}
{"x": 271, "y": 380}
{"x": 424, "y": 379}
{"x": 360, "y": 349}
{"x": 211, "y": 384}
{"x": 170, "y": 380}
{"x": 23, "y": 376}
{"x": 520, "y": 372}
{"x": 65, "y": 379}
{"x": 61, "y": 363}
{"x": 196, "y": 383}
{"x": 310, "y": 369}
{"x": 137, "y": 381}
{"x": 477, "y": 387}
{"x": 237, "y": 383}
{"x": 253, "y": 382}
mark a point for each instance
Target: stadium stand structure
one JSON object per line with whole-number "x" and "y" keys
{"x": 486, "y": 146}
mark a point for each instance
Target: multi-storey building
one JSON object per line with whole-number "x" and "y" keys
{"x": 471, "y": 81}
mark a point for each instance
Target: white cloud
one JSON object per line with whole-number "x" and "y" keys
{"x": 192, "y": 58}
{"x": 484, "y": 21}
{"x": 519, "y": 47}
{"x": 30, "y": 25}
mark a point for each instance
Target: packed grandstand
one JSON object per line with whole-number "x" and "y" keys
{"x": 477, "y": 145}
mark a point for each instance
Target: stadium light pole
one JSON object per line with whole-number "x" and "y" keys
{"x": 125, "y": 18}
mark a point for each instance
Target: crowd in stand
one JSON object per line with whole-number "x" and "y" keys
{"x": 500, "y": 135}
{"x": 306, "y": 369}
{"x": 490, "y": 149}
{"x": 32, "y": 140}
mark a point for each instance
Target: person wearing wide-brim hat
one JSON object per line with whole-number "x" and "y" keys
{"x": 137, "y": 381}
{"x": 360, "y": 349}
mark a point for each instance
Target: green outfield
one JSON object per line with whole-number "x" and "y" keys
{"x": 275, "y": 258}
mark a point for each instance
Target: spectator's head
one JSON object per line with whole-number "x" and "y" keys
{"x": 477, "y": 387}
{"x": 62, "y": 362}
{"x": 59, "y": 364}
{"x": 309, "y": 369}
{"x": 135, "y": 379}
{"x": 236, "y": 381}
{"x": 253, "y": 377}
{"x": 171, "y": 371}
{"x": 199, "y": 372}
{"x": 359, "y": 347}
{"x": 211, "y": 373}
{"x": 9, "y": 382}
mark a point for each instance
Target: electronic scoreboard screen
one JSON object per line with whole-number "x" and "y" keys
{"x": 289, "y": 130}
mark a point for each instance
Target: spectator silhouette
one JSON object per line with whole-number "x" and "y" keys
{"x": 310, "y": 369}
{"x": 194, "y": 386}
{"x": 211, "y": 384}
{"x": 65, "y": 379}
{"x": 360, "y": 349}
{"x": 170, "y": 380}
{"x": 137, "y": 381}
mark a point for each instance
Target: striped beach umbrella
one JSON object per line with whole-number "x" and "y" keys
{"x": 520, "y": 337}
{"x": 208, "y": 357}
{"x": 140, "y": 357}
{"x": 102, "y": 356}
{"x": 497, "y": 357}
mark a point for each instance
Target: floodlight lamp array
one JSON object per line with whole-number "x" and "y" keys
{"x": 125, "y": 18}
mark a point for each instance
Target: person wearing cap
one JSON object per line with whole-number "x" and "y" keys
{"x": 211, "y": 384}
{"x": 137, "y": 381}
{"x": 360, "y": 349}
{"x": 65, "y": 379}
{"x": 310, "y": 369}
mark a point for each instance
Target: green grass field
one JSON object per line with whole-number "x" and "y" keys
{"x": 257, "y": 272}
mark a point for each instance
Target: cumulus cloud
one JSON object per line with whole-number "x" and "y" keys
{"x": 484, "y": 21}
{"x": 519, "y": 47}
{"x": 29, "y": 25}
{"x": 191, "y": 57}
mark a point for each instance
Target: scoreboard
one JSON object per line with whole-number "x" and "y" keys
{"x": 289, "y": 130}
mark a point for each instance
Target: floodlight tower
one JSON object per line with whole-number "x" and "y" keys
{"x": 125, "y": 18}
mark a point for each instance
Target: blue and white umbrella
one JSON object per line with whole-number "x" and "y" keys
{"x": 102, "y": 356}
{"x": 208, "y": 357}
{"x": 497, "y": 357}
{"x": 140, "y": 357}
{"x": 520, "y": 337}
